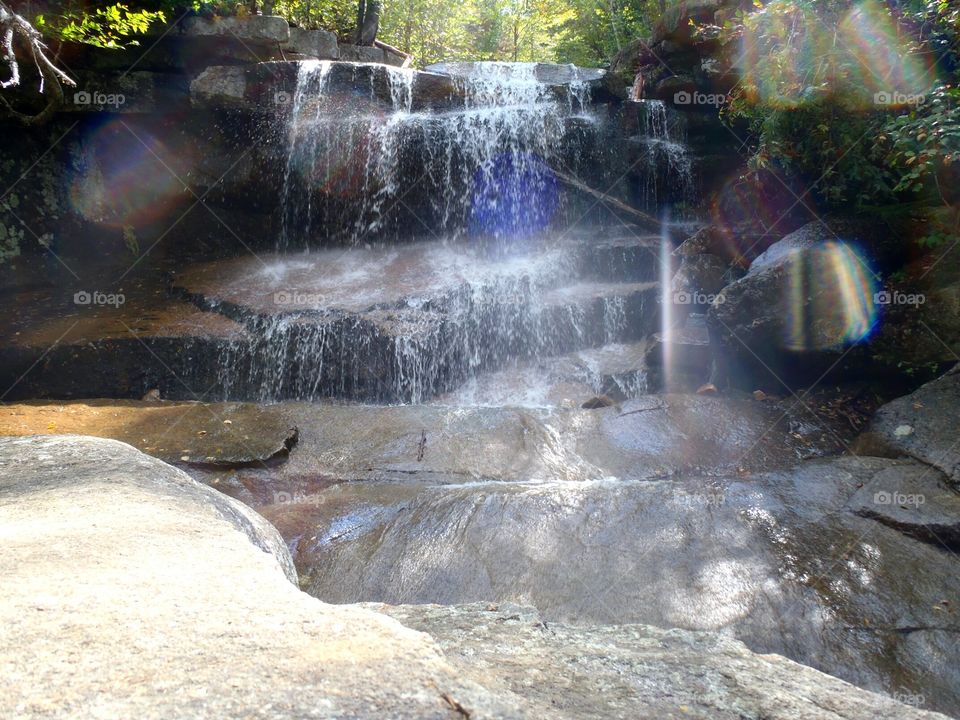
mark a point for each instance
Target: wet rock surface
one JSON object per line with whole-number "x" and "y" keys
{"x": 784, "y": 561}
{"x": 229, "y": 636}
{"x": 922, "y": 425}
{"x": 195, "y": 433}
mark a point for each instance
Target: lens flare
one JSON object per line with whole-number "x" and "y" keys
{"x": 793, "y": 55}
{"x": 516, "y": 197}
{"x": 888, "y": 69}
{"x": 829, "y": 297}
{"x": 126, "y": 176}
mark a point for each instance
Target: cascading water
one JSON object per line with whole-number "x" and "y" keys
{"x": 481, "y": 167}
{"x": 667, "y": 174}
{"x": 372, "y": 156}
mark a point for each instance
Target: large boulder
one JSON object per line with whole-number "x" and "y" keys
{"x": 320, "y": 44}
{"x": 804, "y": 303}
{"x": 122, "y": 572}
{"x": 572, "y": 671}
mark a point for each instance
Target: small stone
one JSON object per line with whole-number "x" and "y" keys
{"x": 903, "y": 430}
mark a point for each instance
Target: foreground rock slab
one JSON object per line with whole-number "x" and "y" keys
{"x": 132, "y": 591}
{"x": 813, "y": 562}
{"x": 568, "y": 671}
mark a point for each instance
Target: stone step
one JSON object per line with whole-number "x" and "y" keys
{"x": 119, "y": 351}
{"x": 396, "y": 324}
{"x": 621, "y": 257}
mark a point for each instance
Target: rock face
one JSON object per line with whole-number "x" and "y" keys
{"x": 922, "y": 425}
{"x": 171, "y": 582}
{"x": 124, "y": 570}
{"x": 319, "y": 44}
{"x": 812, "y": 562}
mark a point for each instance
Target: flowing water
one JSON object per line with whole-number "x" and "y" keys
{"x": 498, "y": 278}
{"x": 480, "y": 168}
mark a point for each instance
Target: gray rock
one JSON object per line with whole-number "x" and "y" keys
{"x": 699, "y": 275}
{"x": 313, "y": 43}
{"x": 119, "y": 569}
{"x": 793, "y": 317}
{"x": 923, "y": 425}
{"x": 632, "y": 671}
{"x": 220, "y": 85}
{"x": 783, "y": 561}
{"x": 252, "y": 28}
{"x": 915, "y": 500}
{"x": 362, "y": 53}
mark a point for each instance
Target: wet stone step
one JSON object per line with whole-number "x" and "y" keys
{"x": 621, "y": 256}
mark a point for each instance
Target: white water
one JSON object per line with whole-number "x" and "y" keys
{"x": 482, "y": 166}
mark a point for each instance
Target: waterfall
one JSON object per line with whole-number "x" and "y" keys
{"x": 357, "y": 170}
{"x": 668, "y": 168}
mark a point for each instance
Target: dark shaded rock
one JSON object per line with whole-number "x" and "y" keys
{"x": 362, "y": 53}
{"x": 698, "y": 275}
{"x": 923, "y": 425}
{"x": 805, "y": 300}
{"x": 915, "y": 500}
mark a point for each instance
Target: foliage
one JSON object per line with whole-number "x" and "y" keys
{"x": 817, "y": 95}
{"x": 109, "y": 26}
{"x": 586, "y": 32}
